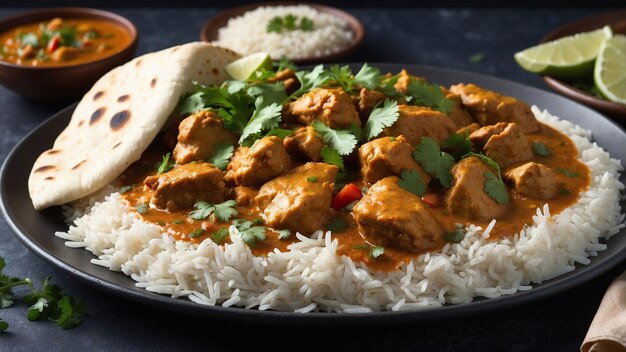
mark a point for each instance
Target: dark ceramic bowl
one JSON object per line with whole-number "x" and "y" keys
{"x": 617, "y": 20}
{"x": 67, "y": 81}
{"x": 210, "y": 30}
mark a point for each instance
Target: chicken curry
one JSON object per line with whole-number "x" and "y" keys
{"x": 393, "y": 165}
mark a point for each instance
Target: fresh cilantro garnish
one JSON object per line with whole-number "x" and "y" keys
{"x": 221, "y": 155}
{"x": 222, "y": 211}
{"x": 177, "y": 222}
{"x": 541, "y": 149}
{"x": 219, "y": 235}
{"x": 141, "y": 208}
{"x": 567, "y": 173}
{"x": 374, "y": 251}
{"x": 410, "y": 180}
{"x": 457, "y": 145}
{"x": 430, "y": 95}
{"x": 196, "y": 233}
{"x": 250, "y": 234}
{"x": 165, "y": 164}
{"x": 264, "y": 119}
{"x": 380, "y": 118}
{"x": 289, "y": 22}
{"x": 311, "y": 179}
{"x": 487, "y": 160}
{"x": 284, "y": 234}
{"x": 127, "y": 188}
{"x": 331, "y": 156}
{"x": 48, "y": 303}
{"x": 28, "y": 39}
{"x": 350, "y": 206}
{"x": 280, "y": 132}
{"x": 388, "y": 86}
{"x": 310, "y": 79}
{"x": 495, "y": 188}
{"x": 343, "y": 141}
{"x": 456, "y": 235}
{"x": 285, "y": 63}
{"x": 476, "y": 58}
{"x": 434, "y": 161}
{"x": 368, "y": 77}
{"x": 266, "y": 94}
{"x": 337, "y": 224}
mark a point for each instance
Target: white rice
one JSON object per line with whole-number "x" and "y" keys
{"x": 312, "y": 277}
{"x": 247, "y": 34}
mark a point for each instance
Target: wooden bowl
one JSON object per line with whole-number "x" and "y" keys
{"x": 617, "y": 20}
{"x": 210, "y": 30}
{"x": 66, "y": 81}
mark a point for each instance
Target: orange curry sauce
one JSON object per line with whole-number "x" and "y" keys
{"x": 572, "y": 175}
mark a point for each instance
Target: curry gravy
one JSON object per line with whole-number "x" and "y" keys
{"x": 572, "y": 175}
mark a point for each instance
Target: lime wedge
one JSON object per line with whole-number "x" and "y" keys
{"x": 610, "y": 69}
{"x": 568, "y": 57}
{"x": 241, "y": 69}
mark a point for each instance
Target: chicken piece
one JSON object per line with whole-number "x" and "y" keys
{"x": 469, "y": 129}
{"x": 533, "y": 180}
{"x": 253, "y": 166}
{"x": 64, "y": 53}
{"x": 244, "y": 196}
{"x": 304, "y": 141}
{"x": 368, "y": 99}
{"x": 299, "y": 200}
{"x": 415, "y": 122}
{"x": 388, "y": 156}
{"x": 489, "y": 107}
{"x": 506, "y": 146}
{"x": 186, "y": 184}
{"x": 198, "y": 135}
{"x": 288, "y": 77}
{"x": 467, "y": 197}
{"x": 480, "y": 136}
{"x": 404, "y": 79}
{"x": 331, "y": 106}
{"x": 390, "y": 216}
{"x": 459, "y": 115}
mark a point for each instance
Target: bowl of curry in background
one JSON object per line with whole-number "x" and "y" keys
{"x": 56, "y": 53}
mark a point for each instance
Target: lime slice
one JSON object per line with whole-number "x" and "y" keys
{"x": 568, "y": 57}
{"x": 241, "y": 69}
{"x": 610, "y": 69}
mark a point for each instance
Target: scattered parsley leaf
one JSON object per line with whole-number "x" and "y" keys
{"x": 495, "y": 188}
{"x": 343, "y": 141}
{"x": 3, "y": 325}
{"x": 567, "y": 173}
{"x": 219, "y": 235}
{"x": 476, "y": 58}
{"x": 276, "y": 24}
{"x": 284, "y": 234}
{"x": 203, "y": 210}
{"x": 264, "y": 119}
{"x": 310, "y": 79}
{"x": 165, "y": 164}
{"x": 141, "y": 208}
{"x": 457, "y": 145}
{"x": 289, "y": 22}
{"x": 430, "y": 95}
{"x": 380, "y": 118}
{"x": 331, "y": 156}
{"x": 337, "y": 224}
{"x": 410, "y": 180}
{"x": 311, "y": 179}
{"x": 306, "y": 24}
{"x": 177, "y": 222}
{"x": 434, "y": 161}
{"x": 250, "y": 234}
{"x": 487, "y": 160}
{"x": 221, "y": 155}
{"x": 71, "y": 313}
{"x": 265, "y": 94}
{"x": 368, "y": 77}
{"x": 125, "y": 189}
{"x": 377, "y": 251}
{"x": 280, "y": 132}
{"x": 541, "y": 149}
{"x": 196, "y": 233}
{"x": 225, "y": 210}
{"x": 388, "y": 86}
{"x": 456, "y": 235}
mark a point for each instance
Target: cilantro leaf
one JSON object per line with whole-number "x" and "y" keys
{"x": 196, "y": 233}
{"x": 284, "y": 234}
{"x": 310, "y": 79}
{"x": 541, "y": 149}
{"x": 495, "y": 188}
{"x": 331, "y": 156}
{"x": 306, "y": 24}
{"x": 377, "y": 251}
{"x": 280, "y": 132}
{"x": 337, "y": 224}
{"x": 225, "y": 210}
{"x": 203, "y": 210}
{"x": 3, "y": 325}
{"x": 457, "y": 145}
{"x": 456, "y": 235}
{"x": 368, "y": 76}
{"x": 430, "y": 95}
{"x": 410, "y": 180}
{"x": 264, "y": 119}
{"x": 380, "y": 118}
{"x": 219, "y": 235}
{"x": 567, "y": 173}
{"x": 165, "y": 164}
{"x": 342, "y": 76}
{"x": 343, "y": 141}
{"x": 177, "y": 222}
{"x": 487, "y": 160}
{"x": 250, "y": 234}
{"x": 276, "y": 24}
{"x": 190, "y": 104}
{"x": 221, "y": 155}
{"x": 71, "y": 313}
{"x": 434, "y": 161}
{"x": 284, "y": 63}
{"x": 266, "y": 94}
{"x": 127, "y": 188}
{"x": 141, "y": 208}
{"x": 289, "y": 23}
{"x": 312, "y": 179}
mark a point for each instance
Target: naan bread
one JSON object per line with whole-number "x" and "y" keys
{"x": 118, "y": 118}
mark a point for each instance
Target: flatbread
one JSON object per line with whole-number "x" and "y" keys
{"x": 118, "y": 118}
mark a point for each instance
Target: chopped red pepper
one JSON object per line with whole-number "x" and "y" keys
{"x": 53, "y": 44}
{"x": 432, "y": 199}
{"x": 348, "y": 194}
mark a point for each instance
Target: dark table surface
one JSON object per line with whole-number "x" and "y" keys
{"x": 424, "y": 36}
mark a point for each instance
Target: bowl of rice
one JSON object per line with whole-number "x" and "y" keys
{"x": 302, "y": 33}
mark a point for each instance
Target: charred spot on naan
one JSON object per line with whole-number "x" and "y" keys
{"x": 119, "y": 120}
{"x": 78, "y": 165}
{"x": 44, "y": 168}
{"x": 123, "y": 98}
{"x": 98, "y": 95}
{"x": 49, "y": 178}
{"x": 153, "y": 82}
{"x": 96, "y": 115}
{"x": 53, "y": 151}
{"x": 117, "y": 145}
{"x": 215, "y": 71}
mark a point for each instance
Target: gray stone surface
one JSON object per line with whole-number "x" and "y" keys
{"x": 435, "y": 37}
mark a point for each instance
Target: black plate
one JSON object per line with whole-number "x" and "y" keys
{"x": 36, "y": 229}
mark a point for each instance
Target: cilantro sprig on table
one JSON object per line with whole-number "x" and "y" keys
{"x": 48, "y": 303}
